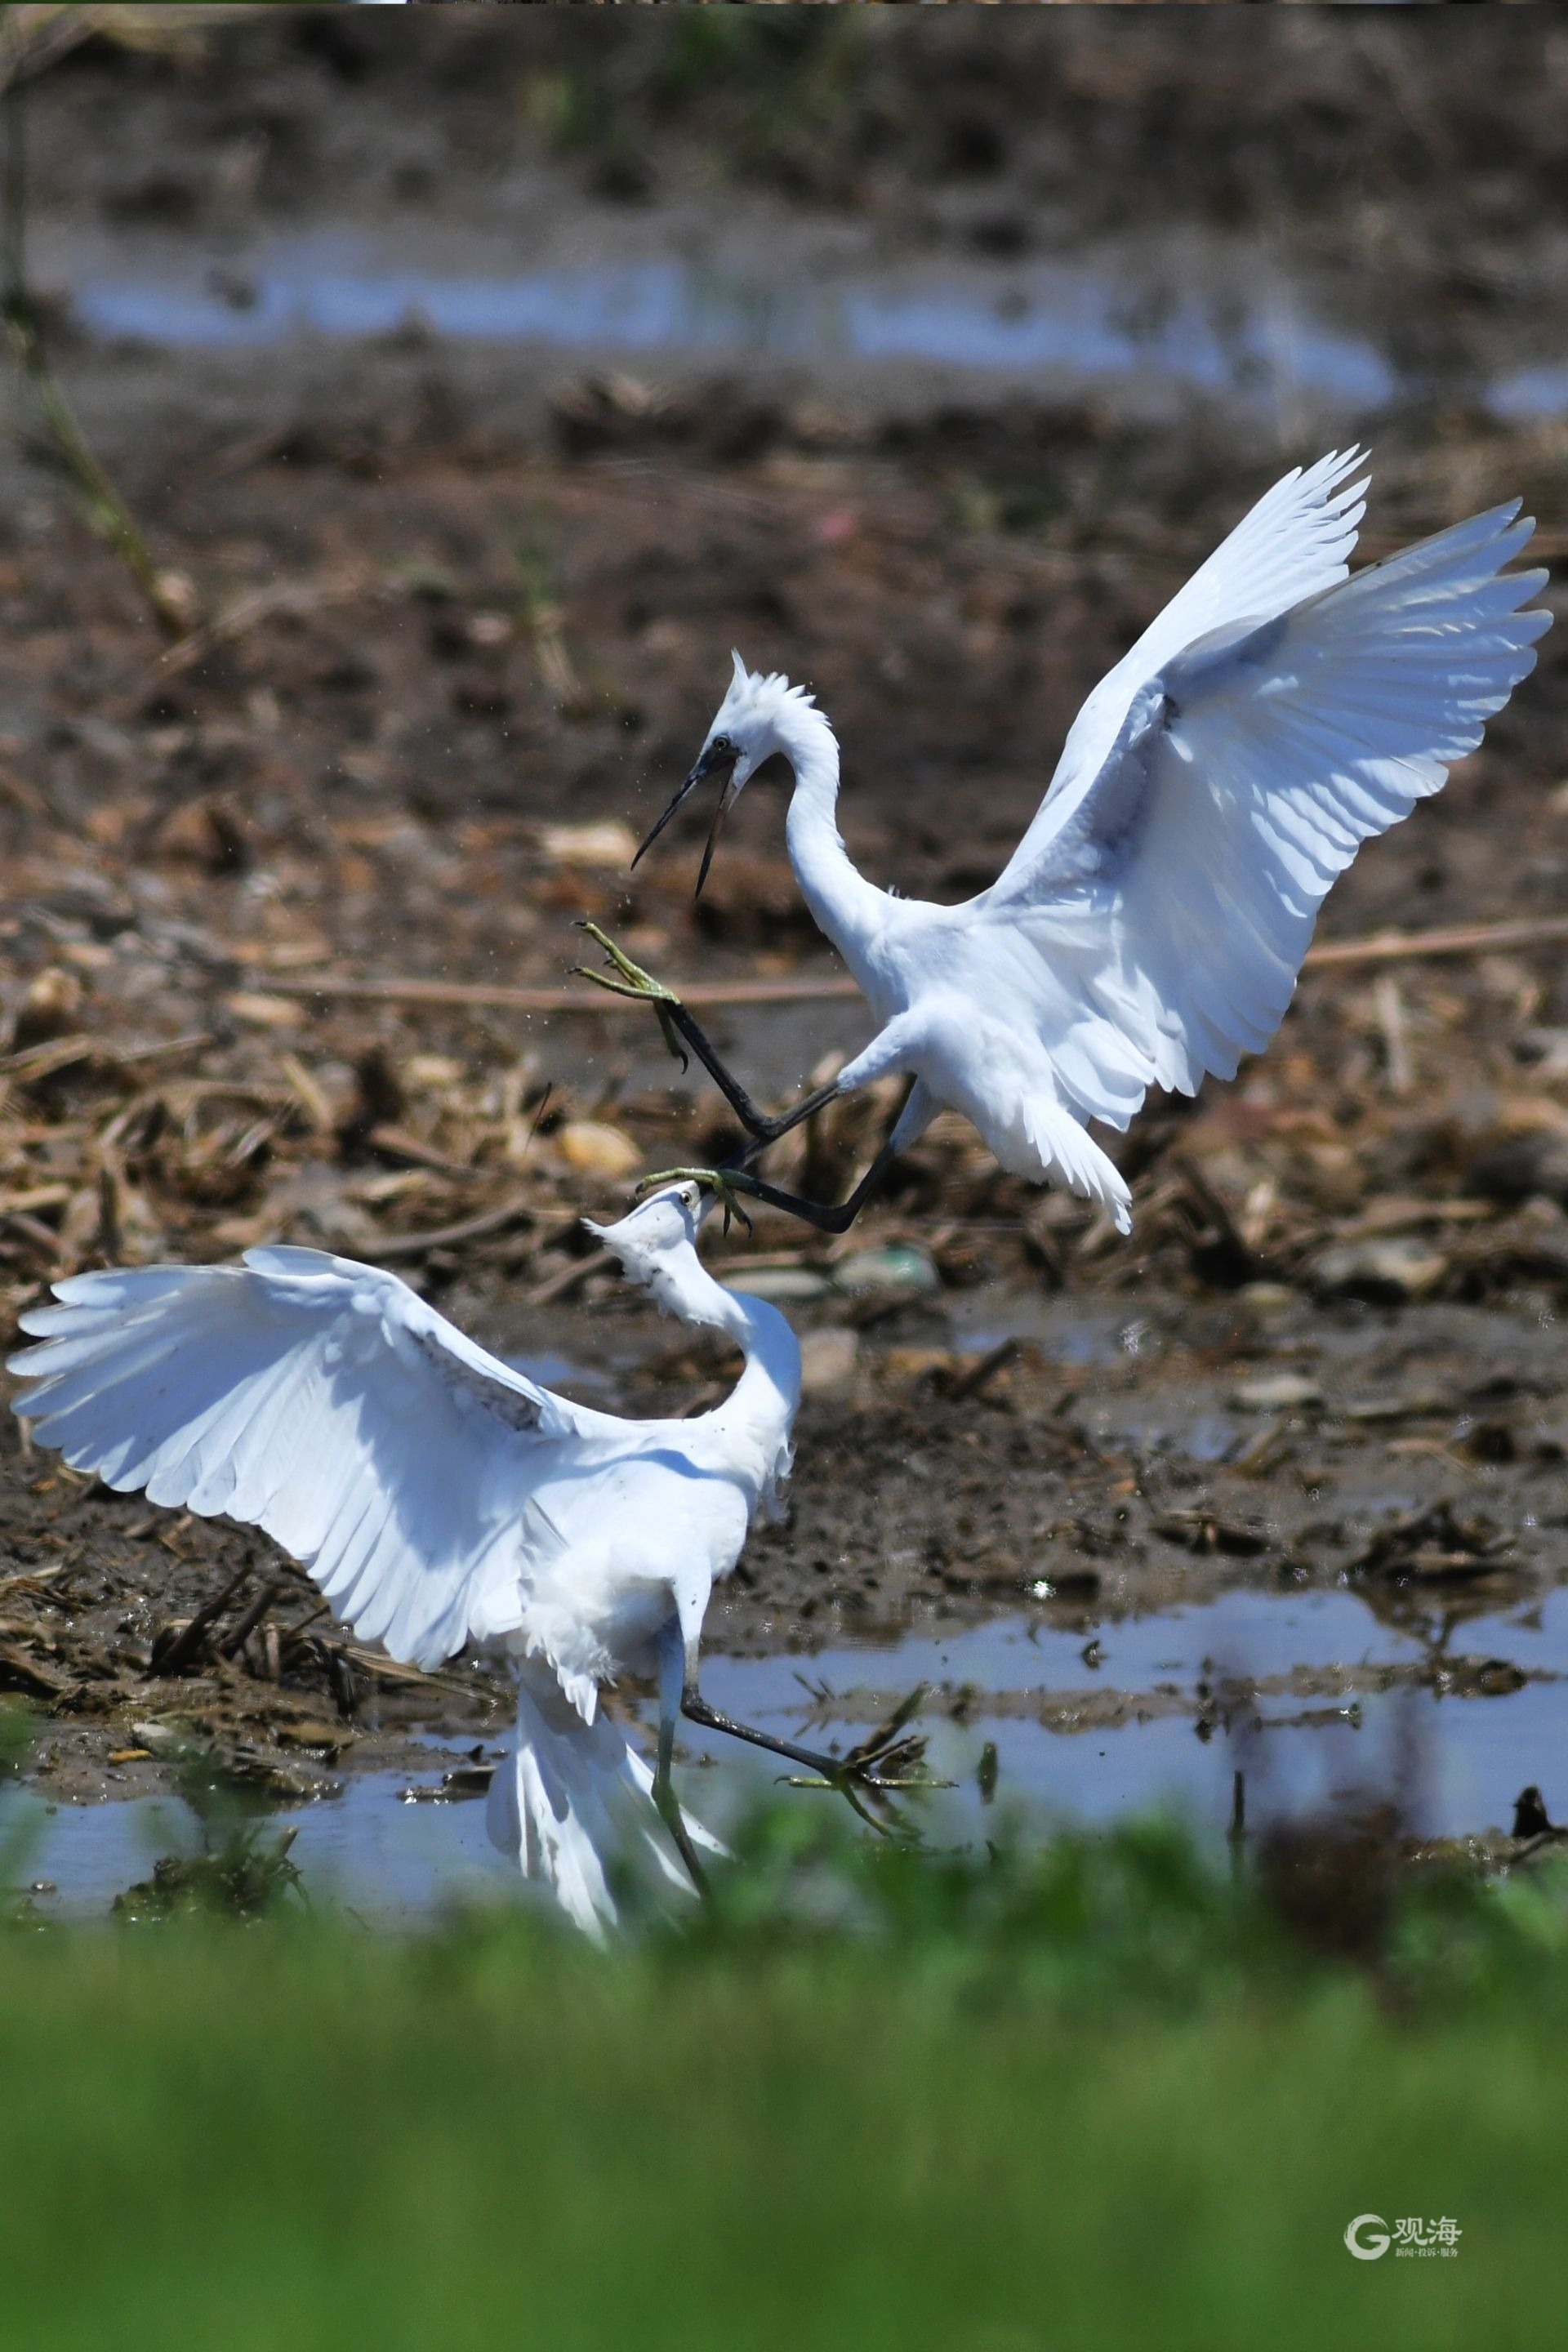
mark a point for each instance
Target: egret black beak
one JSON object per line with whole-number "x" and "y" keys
{"x": 726, "y": 799}
{"x": 715, "y": 759}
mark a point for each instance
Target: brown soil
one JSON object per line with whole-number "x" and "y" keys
{"x": 480, "y": 628}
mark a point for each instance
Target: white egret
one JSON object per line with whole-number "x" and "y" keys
{"x": 1150, "y": 924}
{"x": 439, "y": 1497}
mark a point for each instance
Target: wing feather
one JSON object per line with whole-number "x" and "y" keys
{"x": 1296, "y": 541}
{"x": 1168, "y": 895}
{"x": 326, "y": 1403}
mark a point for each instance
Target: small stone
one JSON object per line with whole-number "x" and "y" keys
{"x": 1267, "y": 1302}
{"x": 1281, "y": 1393}
{"x": 265, "y": 1011}
{"x": 827, "y": 1360}
{"x": 1384, "y": 1272}
{"x": 160, "y": 1738}
{"x": 178, "y": 600}
{"x": 49, "y": 1008}
{"x": 593, "y": 1149}
{"x": 608, "y": 842}
{"x": 432, "y": 1073}
{"x": 900, "y": 1271}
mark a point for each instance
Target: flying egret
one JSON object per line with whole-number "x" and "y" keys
{"x": 439, "y": 1496}
{"x": 1152, "y": 923}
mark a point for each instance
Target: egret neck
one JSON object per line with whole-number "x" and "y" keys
{"x": 762, "y": 1404}
{"x": 842, "y": 902}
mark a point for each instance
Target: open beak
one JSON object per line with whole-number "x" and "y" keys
{"x": 726, "y": 799}
{"x": 710, "y": 764}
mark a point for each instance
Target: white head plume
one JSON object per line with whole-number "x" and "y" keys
{"x": 760, "y": 714}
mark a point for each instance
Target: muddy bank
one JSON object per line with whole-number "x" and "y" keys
{"x": 1108, "y": 1469}
{"x": 467, "y": 608}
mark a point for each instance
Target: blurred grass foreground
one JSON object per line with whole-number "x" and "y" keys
{"x": 1110, "y": 2092}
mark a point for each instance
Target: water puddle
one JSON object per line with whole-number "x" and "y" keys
{"x": 1088, "y": 1723}
{"x": 1198, "y": 326}
{"x": 1527, "y": 392}
{"x": 1128, "y": 1717}
{"x": 1204, "y": 316}
{"x": 1078, "y": 1333}
{"x": 368, "y": 1849}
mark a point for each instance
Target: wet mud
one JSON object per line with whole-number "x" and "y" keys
{"x": 465, "y": 545}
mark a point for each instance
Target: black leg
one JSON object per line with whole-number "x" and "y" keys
{"x": 763, "y": 1127}
{"x": 629, "y": 980}
{"x": 697, "y": 1709}
{"x": 668, "y": 1805}
{"x": 820, "y": 1214}
{"x": 885, "y": 1747}
{"x": 734, "y": 1177}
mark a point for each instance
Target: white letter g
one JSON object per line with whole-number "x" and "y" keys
{"x": 1367, "y": 2250}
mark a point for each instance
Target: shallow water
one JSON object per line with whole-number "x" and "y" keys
{"x": 1462, "y": 1759}
{"x": 1079, "y": 1333}
{"x": 1040, "y": 317}
{"x": 1205, "y": 315}
{"x": 1466, "y": 1757}
{"x": 368, "y": 1848}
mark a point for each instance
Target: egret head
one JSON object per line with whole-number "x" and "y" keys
{"x": 750, "y": 725}
{"x": 656, "y": 1243}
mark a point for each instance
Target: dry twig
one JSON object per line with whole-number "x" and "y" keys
{"x": 1382, "y": 947}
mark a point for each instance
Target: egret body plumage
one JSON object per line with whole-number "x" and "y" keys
{"x": 1150, "y": 924}
{"x": 439, "y": 1497}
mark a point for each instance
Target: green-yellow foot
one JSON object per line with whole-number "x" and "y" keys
{"x": 629, "y": 979}
{"x": 889, "y": 1757}
{"x": 888, "y": 1760}
{"x": 724, "y": 1183}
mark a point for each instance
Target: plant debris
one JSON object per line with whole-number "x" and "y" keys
{"x": 1435, "y": 1542}
{"x": 289, "y": 904}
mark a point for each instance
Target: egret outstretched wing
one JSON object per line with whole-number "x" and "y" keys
{"x": 1153, "y": 921}
{"x": 324, "y": 1403}
{"x": 1296, "y": 541}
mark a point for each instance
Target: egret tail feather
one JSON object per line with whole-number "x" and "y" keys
{"x": 572, "y": 1798}
{"x": 1067, "y": 1155}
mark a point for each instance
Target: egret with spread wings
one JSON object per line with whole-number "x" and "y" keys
{"x": 439, "y": 1497}
{"x": 1150, "y": 924}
